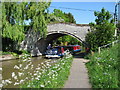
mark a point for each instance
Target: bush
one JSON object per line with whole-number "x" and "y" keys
{"x": 103, "y": 68}
{"x": 101, "y": 32}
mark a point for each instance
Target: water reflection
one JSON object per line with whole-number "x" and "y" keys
{"x": 18, "y": 71}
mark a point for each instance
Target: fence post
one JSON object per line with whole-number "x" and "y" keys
{"x": 113, "y": 43}
{"x": 98, "y": 49}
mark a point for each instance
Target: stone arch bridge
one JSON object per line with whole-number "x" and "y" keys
{"x": 37, "y": 46}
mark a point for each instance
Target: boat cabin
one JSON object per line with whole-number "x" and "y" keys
{"x": 73, "y": 48}
{"x": 55, "y": 52}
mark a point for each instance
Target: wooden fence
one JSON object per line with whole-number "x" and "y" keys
{"x": 107, "y": 45}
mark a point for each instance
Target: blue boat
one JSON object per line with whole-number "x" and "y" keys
{"x": 55, "y": 52}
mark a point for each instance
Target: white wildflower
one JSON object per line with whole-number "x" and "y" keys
{"x": 15, "y": 77}
{"x": 1, "y": 85}
{"x": 13, "y": 74}
{"x": 48, "y": 81}
{"x": 16, "y": 67}
{"x": 26, "y": 67}
{"x": 38, "y": 68}
{"x": 37, "y": 78}
{"x": 42, "y": 85}
{"x": 3, "y": 81}
{"x": 35, "y": 74}
{"x": 28, "y": 85}
{"x": 24, "y": 60}
{"x": 32, "y": 65}
{"x": 26, "y": 78}
{"x": 8, "y": 81}
{"x": 21, "y": 81}
{"x": 20, "y": 74}
{"x": 20, "y": 65}
{"x": 16, "y": 83}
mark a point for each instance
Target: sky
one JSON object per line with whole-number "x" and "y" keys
{"x": 84, "y": 15}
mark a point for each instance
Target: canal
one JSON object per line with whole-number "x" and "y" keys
{"x": 15, "y": 72}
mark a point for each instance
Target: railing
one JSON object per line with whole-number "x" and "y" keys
{"x": 104, "y": 46}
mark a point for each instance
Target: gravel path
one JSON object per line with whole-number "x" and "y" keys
{"x": 78, "y": 75}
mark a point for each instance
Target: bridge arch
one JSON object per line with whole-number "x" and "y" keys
{"x": 36, "y": 45}
{"x": 65, "y": 33}
{"x": 53, "y": 35}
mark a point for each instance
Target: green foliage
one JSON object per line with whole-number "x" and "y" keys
{"x": 103, "y": 68}
{"x": 15, "y": 54}
{"x": 5, "y": 53}
{"x": 69, "y": 39}
{"x": 102, "y": 32}
{"x": 36, "y": 13}
{"x": 9, "y": 28}
{"x": 66, "y": 38}
{"x": 60, "y": 16}
{"x": 118, "y": 62}
{"x": 15, "y": 15}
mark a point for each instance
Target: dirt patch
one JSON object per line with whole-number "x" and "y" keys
{"x": 7, "y": 57}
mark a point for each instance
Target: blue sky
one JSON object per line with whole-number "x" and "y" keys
{"x": 83, "y": 17}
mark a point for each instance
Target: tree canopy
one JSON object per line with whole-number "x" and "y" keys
{"x": 16, "y": 14}
{"x": 67, "y": 40}
{"x": 102, "y": 31}
{"x": 59, "y": 16}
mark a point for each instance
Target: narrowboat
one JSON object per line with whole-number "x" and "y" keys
{"x": 73, "y": 48}
{"x": 55, "y": 52}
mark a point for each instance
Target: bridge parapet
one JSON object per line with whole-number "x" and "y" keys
{"x": 74, "y": 29}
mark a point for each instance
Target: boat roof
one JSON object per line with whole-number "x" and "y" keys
{"x": 71, "y": 45}
{"x": 65, "y": 46}
{"x": 58, "y": 47}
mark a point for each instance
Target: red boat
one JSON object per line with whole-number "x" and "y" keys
{"x": 73, "y": 48}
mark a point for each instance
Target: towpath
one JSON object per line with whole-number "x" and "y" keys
{"x": 78, "y": 77}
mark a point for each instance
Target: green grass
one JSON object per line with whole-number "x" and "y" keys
{"x": 53, "y": 77}
{"x": 15, "y": 54}
{"x": 103, "y": 68}
{"x": 5, "y": 53}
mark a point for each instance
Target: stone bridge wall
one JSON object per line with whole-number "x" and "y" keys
{"x": 34, "y": 44}
{"x": 78, "y": 31}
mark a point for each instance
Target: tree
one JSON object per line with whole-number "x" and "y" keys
{"x": 67, "y": 17}
{"x": 71, "y": 18}
{"x": 14, "y": 15}
{"x": 102, "y": 31}
{"x": 67, "y": 40}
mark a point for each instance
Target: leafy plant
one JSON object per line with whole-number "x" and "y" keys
{"x": 60, "y": 16}
{"x": 14, "y": 18}
{"x": 102, "y": 32}
{"x": 103, "y": 68}
{"x": 67, "y": 39}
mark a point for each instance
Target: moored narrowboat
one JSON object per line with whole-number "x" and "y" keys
{"x": 73, "y": 48}
{"x": 55, "y": 52}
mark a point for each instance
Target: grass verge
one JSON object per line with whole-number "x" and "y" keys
{"x": 103, "y": 68}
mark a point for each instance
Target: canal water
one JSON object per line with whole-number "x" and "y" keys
{"x": 11, "y": 69}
